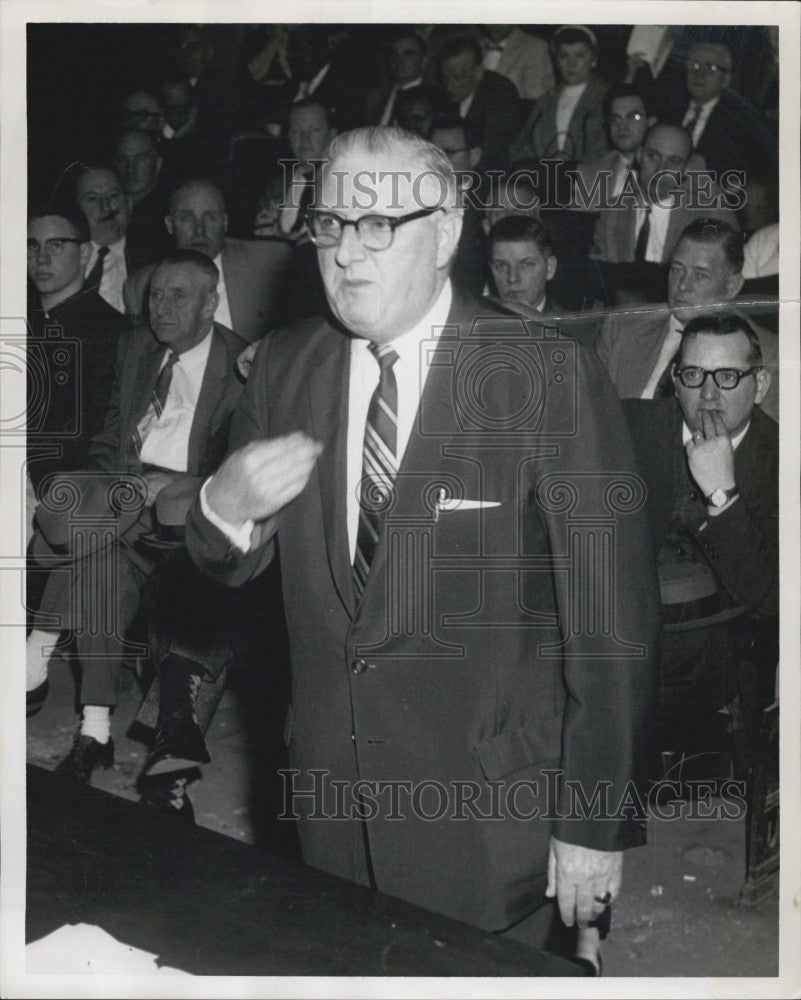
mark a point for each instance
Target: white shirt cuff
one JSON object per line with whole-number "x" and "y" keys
{"x": 240, "y": 537}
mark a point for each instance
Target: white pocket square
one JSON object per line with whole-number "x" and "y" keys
{"x": 453, "y": 503}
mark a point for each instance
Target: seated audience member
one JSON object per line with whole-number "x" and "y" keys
{"x": 522, "y": 263}
{"x": 759, "y": 218}
{"x": 709, "y": 458}
{"x": 406, "y": 56}
{"x": 138, "y": 162}
{"x": 632, "y": 243}
{"x": 487, "y": 102}
{"x": 416, "y": 110}
{"x": 469, "y": 268}
{"x": 66, "y": 402}
{"x": 567, "y": 122}
{"x": 143, "y": 113}
{"x": 627, "y": 122}
{"x": 309, "y": 131}
{"x": 726, "y": 128}
{"x": 100, "y": 196}
{"x": 174, "y": 392}
{"x": 250, "y": 270}
{"x": 705, "y": 272}
{"x": 523, "y": 59}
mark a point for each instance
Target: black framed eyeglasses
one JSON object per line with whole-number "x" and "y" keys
{"x": 375, "y": 232}
{"x": 724, "y": 378}
{"x": 54, "y": 246}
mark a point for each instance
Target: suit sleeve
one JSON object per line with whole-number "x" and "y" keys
{"x": 609, "y": 672}
{"x": 210, "y": 549}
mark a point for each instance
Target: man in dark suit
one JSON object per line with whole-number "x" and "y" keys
{"x": 487, "y": 102}
{"x": 406, "y": 61}
{"x": 139, "y": 163}
{"x": 522, "y": 263}
{"x": 638, "y": 346}
{"x": 251, "y": 271}
{"x": 726, "y": 129}
{"x": 174, "y": 391}
{"x": 401, "y": 400}
{"x": 634, "y": 240}
{"x": 710, "y": 460}
{"x": 67, "y": 401}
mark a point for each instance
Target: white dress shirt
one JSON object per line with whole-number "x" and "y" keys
{"x": 411, "y": 371}
{"x": 565, "y": 107}
{"x": 659, "y": 221}
{"x": 464, "y": 106}
{"x": 389, "y": 108}
{"x": 222, "y": 314}
{"x": 115, "y": 271}
{"x": 669, "y": 347}
{"x": 165, "y": 442}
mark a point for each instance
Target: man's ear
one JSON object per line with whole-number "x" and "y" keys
{"x": 212, "y": 302}
{"x": 159, "y": 164}
{"x": 734, "y": 283}
{"x": 449, "y": 229}
{"x": 475, "y": 155}
{"x": 84, "y": 253}
{"x": 763, "y": 380}
{"x": 169, "y": 222}
{"x": 551, "y": 271}
{"x": 225, "y": 222}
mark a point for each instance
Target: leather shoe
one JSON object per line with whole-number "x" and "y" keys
{"x": 179, "y": 745}
{"x": 86, "y": 754}
{"x": 164, "y": 798}
{"x": 35, "y": 698}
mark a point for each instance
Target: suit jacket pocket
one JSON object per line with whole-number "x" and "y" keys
{"x": 512, "y": 751}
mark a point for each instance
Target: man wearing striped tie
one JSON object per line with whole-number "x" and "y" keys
{"x": 393, "y": 451}
{"x": 174, "y": 391}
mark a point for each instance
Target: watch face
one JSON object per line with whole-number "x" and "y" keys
{"x": 718, "y": 498}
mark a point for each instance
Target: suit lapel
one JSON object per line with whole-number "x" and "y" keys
{"x": 328, "y": 389}
{"x": 143, "y": 384}
{"x": 211, "y": 391}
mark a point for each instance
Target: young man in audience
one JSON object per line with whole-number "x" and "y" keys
{"x": 522, "y": 263}
{"x": 250, "y": 271}
{"x": 638, "y": 346}
{"x": 487, "y": 102}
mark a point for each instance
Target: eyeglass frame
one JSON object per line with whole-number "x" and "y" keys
{"x": 741, "y": 374}
{"x": 393, "y": 220}
{"x": 35, "y": 250}
{"x": 630, "y": 116}
{"x": 694, "y": 65}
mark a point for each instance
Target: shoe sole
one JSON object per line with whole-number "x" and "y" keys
{"x": 170, "y": 764}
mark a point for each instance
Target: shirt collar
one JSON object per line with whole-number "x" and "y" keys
{"x": 196, "y": 356}
{"x": 407, "y": 345}
{"x": 114, "y": 249}
{"x": 411, "y": 83}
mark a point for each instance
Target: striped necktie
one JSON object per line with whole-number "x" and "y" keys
{"x": 379, "y": 464}
{"x": 691, "y": 119}
{"x": 158, "y": 399}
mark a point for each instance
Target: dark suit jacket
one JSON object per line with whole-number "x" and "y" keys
{"x": 67, "y": 403}
{"x": 493, "y": 117}
{"x": 737, "y": 136}
{"x": 741, "y": 545}
{"x": 586, "y": 134}
{"x": 477, "y": 689}
{"x": 629, "y": 343}
{"x": 255, "y": 272}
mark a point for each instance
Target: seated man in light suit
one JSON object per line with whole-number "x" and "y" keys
{"x": 175, "y": 389}
{"x": 637, "y": 346}
{"x": 325, "y": 427}
{"x": 250, "y": 271}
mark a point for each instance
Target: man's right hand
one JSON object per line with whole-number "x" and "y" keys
{"x": 258, "y": 480}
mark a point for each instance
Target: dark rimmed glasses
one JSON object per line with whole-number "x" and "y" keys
{"x": 724, "y": 378}
{"x": 55, "y": 246}
{"x": 375, "y": 232}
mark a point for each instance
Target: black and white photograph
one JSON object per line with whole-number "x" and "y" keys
{"x": 399, "y": 443}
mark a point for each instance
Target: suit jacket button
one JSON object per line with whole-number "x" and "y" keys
{"x": 694, "y": 495}
{"x": 358, "y": 666}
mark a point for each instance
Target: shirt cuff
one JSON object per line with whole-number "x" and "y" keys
{"x": 239, "y": 537}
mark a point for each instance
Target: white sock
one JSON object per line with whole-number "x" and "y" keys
{"x": 96, "y": 722}
{"x": 37, "y": 655}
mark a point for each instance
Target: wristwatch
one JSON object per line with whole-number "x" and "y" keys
{"x": 719, "y": 498}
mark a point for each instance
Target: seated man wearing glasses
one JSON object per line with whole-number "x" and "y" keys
{"x": 709, "y": 457}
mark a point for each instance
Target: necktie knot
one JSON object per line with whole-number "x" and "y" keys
{"x": 385, "y": 355}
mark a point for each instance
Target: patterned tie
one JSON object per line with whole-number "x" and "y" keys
{"x": 642, "y": 238}
{"x": 691, "y": 119}
{"x": 379, "y": 466}
{"x": 157, "y": 400}
{"x": 95, "y": 276}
